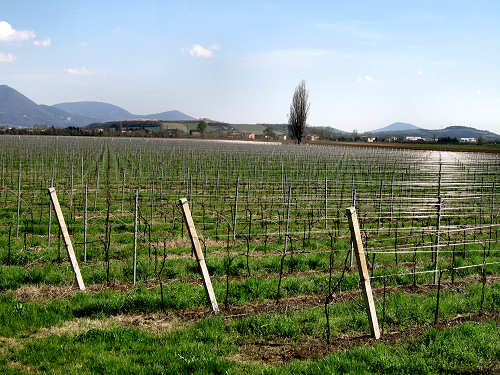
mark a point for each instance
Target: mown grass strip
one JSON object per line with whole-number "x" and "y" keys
{"x": 206, "y": 348}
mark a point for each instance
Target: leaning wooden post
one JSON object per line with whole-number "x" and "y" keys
{"x": 363, "y": 271}
{"x": 199, "y": 254}
{"x": 67, "y": 239}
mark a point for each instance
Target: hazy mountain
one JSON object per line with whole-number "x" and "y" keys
{"x": 396, "y": 126}
{"x": 16, "y": 109}
{"x": 450, "y": 131}
{"x": 97, "y": 110}
{"x": 465, "y": 132}
{"x": 168, "y": 116}
{"x": 329, "y": 129}
{"x": 104, "y": 112}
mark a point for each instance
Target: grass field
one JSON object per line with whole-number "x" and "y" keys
{"x": 277, "y": 247}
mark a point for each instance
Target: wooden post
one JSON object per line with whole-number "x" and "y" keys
{"x": 363, "y": 271}
{"x": 199, "y": 254}
{"x": 67, "y": 239}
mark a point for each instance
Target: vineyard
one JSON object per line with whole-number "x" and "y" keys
{"x": 277, "y": 244}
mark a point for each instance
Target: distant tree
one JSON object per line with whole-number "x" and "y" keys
{"x": 355, "y": 136}
{"x": 202, "y": 126}
{"x": 447, "y": 140}
{"x": 269, "y": 132}
{"x": 299, "y": 110}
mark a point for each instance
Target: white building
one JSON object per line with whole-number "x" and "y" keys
{"x": 413, "y": 139}
{"x": 468, "y": 140}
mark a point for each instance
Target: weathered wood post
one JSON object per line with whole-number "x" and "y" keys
{"x": 195, "y": 242}
{"x": 67, "y": 239}
{"x": 363, "y": 271}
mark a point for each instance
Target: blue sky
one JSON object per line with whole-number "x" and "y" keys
{"x": 366, "y": 63}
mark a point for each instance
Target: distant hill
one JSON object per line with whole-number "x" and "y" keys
{"x": 97, "y": 110}
{"x": 450, "y": 131}
{"x": 396, "y": 126}
{"x": 104, "y": 112}
{"x": 168, "y": 116}
{"x": 16, "y": 109}
{"x": 466, "y": 132}
{"x": 313, "y": 129}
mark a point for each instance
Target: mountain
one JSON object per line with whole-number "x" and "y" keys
{"x": 450, "y": 131}
{"x": 17, "y": 109}
{"x": 465, "y": 132}
{"x": 396, "y": 126}
{"x": 99, "y": 111}
{"x": 104, "y": 112}
{"x": 168, "y": 116}
{"x": 329, "y": 129}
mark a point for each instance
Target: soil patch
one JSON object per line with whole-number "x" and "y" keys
{"x": 278, "y": 352}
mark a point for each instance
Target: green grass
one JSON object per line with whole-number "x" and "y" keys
{"x": 469, "y": 348}
{"x": 402, "y": 308}
{"x": 206, "y": 348}
{"x": 207, "y": 172}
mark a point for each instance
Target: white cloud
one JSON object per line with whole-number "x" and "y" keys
{"x": 9, "y": 34}
{"x": 83, "y": 71}
{"x": 198, "y": 50}
{"x": 7, "y": 58}
{"x": 214, "y": 47}
{"x": 84, "y": 44}
{"x": 43, "y": 43}
{"x": 368, "y": 78}
{"x": 420, "y": 73}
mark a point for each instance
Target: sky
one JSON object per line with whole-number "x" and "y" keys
{"x": 366, "y": 64}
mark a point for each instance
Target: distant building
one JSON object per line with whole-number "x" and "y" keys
{"x": 173, "y": 132}
{"x": 312, "y": 137}
{"x": 413, "y": 139}
{"x": 234, "y": 135}
{"x": 194, "y": 133}
{"x": 468, "y": 140}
